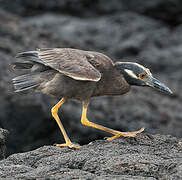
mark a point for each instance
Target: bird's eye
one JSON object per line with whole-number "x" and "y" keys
{"x": 142, "y": 75}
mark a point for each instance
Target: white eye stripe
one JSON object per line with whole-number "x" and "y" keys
{"x": 131, "y": 73}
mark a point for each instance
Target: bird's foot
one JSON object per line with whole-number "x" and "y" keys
{"x": 69, "y": 145}
{"x": 126, "y": 134}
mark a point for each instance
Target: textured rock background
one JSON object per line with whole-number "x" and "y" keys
{"x": 3, "y": 139}
{"x": 148, "y": 32}
{"x": 146, "y": 157}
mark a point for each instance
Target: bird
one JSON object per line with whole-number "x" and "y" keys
{"x": 68, "y": 73}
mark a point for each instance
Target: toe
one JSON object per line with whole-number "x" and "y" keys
{"x": 69, "y": 145}
{"x": 61, "y": 145}
{"x": 126, "y": 134}
{"x": 74, "y": 146}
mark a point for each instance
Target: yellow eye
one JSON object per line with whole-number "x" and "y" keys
{"x": 142, "y": 75}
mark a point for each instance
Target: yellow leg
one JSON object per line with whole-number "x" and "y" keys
{"x": 116, "y": 134}
{"x": 54, "y": 111}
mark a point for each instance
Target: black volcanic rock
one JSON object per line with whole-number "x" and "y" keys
{"x": 168, "y": 11}
{"x": 3, "y": 139}
{"x": 146, "y": 157}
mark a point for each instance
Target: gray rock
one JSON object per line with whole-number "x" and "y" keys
{"x": 144, "y": 157}
{"x": 168, "y": 11}
{"x": 3, "y": 139}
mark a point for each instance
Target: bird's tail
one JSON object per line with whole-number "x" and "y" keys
{"x": 25, "y": 82}
{"x": 31, "y": 66}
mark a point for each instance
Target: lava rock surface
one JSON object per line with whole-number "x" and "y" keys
{"x": 146, "y": 157}
{"x": 3, "y": 140}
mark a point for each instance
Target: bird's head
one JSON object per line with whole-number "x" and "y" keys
{"x": 136, "y": 74}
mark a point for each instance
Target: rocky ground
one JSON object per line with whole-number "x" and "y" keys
{"x": 3, "y": 140}
{"x": 147, "y": 157}
{"x": 148, "y": 32}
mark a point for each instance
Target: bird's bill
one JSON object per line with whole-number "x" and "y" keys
{"x": 152, "y": 82}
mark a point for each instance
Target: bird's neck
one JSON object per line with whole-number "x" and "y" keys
{"x": 112, "y": 83}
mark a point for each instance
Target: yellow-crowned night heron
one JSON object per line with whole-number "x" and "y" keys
{"x": 71, "y": 73}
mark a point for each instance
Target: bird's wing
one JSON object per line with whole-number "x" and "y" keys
{"x": 70, "y": 62}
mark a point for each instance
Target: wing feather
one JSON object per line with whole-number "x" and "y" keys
{"x": 72, "y": 63}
